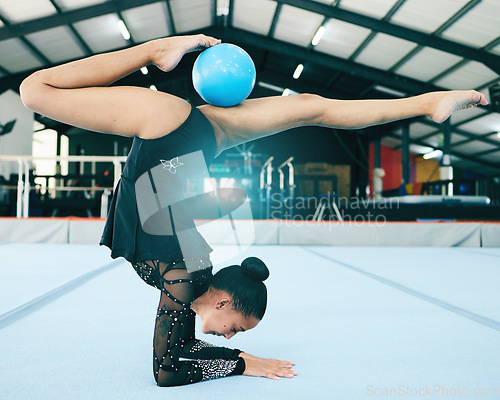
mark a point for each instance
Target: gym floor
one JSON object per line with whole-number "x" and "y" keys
{"x": 367, "y": 322}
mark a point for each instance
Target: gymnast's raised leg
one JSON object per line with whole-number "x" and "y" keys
{"x": 261, "y": 117}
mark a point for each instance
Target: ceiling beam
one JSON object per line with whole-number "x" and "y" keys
{"x": 82, "y": 43}
{"x": 467, "y": 141}
{"x": 34, "y": 51}
{"x": 459, "y": 131}
{"x": 471, "y": 137}
{"x": 231, "y": 13}
{"x": 219, "y": 20}
{"x": 459, "y": 14}
{"x": 453, "y": 152}
{"x": 461, "y": 63}
{"x": 489, "y": 59}
{"x": 274, "y": 22}
{"x": 69, "y": 17}
{"x": 170, "y": 19}
{"x": 438, "y": 130}
{"x": 370, "y": 37}
{"x": 392, "y": 80}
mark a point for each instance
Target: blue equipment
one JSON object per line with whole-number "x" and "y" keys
{"x": 224, "y": 75}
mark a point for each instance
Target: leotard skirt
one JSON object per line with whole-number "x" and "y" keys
{"x": 124, "y": 232}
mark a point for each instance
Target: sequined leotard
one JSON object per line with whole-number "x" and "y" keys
{"x": 159, "y": 261}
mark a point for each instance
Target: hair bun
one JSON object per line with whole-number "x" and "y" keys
{"x": 255, "y": 268}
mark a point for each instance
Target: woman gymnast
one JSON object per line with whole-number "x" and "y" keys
{"x": 165, "y": 127}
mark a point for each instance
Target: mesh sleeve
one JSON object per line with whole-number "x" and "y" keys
{"x": 193, "y": 348}
{"x": 174, "y": 333}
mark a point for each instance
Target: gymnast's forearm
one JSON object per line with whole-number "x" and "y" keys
{"x": 201, "y": 350}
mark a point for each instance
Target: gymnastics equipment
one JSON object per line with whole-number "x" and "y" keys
{"x": 291, "y": 187}
{"x": 324, "y": 203}
{"x": 438, "y": 199}
{"x": 266, "y": 182}
{"x": 224, "y": 75}
{"x": 24, "y": 186}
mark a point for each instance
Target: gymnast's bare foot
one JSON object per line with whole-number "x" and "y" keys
{"x": 169, "y": 51}
{"x": 443, "y": 104}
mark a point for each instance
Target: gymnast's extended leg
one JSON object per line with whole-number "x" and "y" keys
{"x": 257, "y": 118}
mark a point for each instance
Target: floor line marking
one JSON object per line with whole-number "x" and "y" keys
{"x": 490, "y": 323}
{"x": 479, "y": 253}
{"x": 41, "y": 301}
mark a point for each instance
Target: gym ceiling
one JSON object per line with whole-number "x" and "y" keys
{"x": 369, "y": 49}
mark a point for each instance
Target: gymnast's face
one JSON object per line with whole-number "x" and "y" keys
{"x": 223, "y": 320}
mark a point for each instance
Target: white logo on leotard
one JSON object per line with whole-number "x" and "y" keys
{"x": 172, "y": 164}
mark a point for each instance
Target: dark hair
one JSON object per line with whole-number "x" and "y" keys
{"x": 245, "y": 285}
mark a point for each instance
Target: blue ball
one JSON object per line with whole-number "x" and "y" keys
{"x": 224, "y": 75}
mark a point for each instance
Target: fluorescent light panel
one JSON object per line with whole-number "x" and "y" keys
{"x": 394, "y": 92}
{"x": 298, "y": 71}
{"x": 269, "y": 86}
{"x": 319, "y": 34}
{"x": 123, "y": 30}
{"x": 277, "y": 88}
{"x": 433, "y": 154}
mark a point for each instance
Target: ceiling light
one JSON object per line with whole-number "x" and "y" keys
{"x": 283, "y": 91}
{"x": 319, "y": 34}
{"x": 433, "y": 154}
{"x": 123, "y": 29}
{"x": 269, "y": 86}
{"x": 298, "y": 71}
{"x": 380, "y": 88}
{"x": 153, "y": 87}
{"x": 144, "y": 70}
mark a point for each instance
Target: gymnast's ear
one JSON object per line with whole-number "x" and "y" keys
{"x": 223, "y": 302}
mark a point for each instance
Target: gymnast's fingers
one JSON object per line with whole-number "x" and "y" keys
{"x": 285, "y": 363}
{"x": 285, "y": 373}
{"x": 283, "y": 369}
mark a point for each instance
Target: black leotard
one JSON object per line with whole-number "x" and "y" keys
{"x": 123, "y": 232}
{"x": 159, "y": 261}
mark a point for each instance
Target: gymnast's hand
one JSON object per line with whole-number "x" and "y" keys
{"x": 267, "y": 367}
{"x": 169, "y": 51}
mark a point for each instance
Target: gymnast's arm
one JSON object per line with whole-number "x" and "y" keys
{"x": 172, "y": 317}
{"x": 193, "y": 348}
